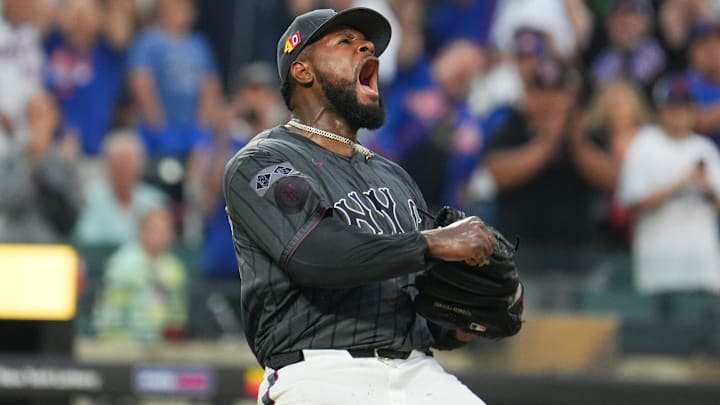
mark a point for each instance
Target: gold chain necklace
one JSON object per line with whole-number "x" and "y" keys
{"x": 357, "y": 147}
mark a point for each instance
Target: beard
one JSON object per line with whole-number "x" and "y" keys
{"x": 342, "y": 97}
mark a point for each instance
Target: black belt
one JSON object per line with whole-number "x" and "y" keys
{"x": 280, "y": 360}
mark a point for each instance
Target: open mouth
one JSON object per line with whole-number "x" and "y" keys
{"x": 368, "y": 77}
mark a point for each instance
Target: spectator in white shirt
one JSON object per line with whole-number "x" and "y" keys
{"x": 671, "y": 181}
{"x": 116, "y": 202}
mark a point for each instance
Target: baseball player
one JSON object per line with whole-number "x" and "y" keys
{"x": 329, "y": 236}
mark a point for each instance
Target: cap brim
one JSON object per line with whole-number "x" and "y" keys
{"x": 370, "y": 23}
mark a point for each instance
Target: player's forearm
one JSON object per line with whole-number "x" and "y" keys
{"x": 332, "y": 257}
{"x": 142, "y": 85}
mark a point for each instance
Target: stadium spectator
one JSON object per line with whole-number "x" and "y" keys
{"x": 435, "y": 120}
{"x": 85, "y": 68}
{"x": 492, "y": 94}
{"x": 460, "y": 19}
{"x": 633, "y": 53}
{"x": 39, "y": 187}
{"x": 704, "y": 77}
{"x": 255, "y": 102}
{"x": 671, "y": 181}
{"x": 389, "y": 58}
{"x": 616, "y": 112}
{"x": 567, "y": 23}
{"x": 255, "y": 105}
{"x": 116, "y": 202}
{"x": 676, "y": 19}
{"x": 144, "y": 296}
{"x": 408, "y": 47}
{"x": 21, "y": 60}
{"x": 174, "y": 80}
{"x": 541, "y": 195}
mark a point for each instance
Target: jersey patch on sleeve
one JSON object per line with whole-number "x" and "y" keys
{"x": 268, "y": 176}
{"x": 291, "y": 192}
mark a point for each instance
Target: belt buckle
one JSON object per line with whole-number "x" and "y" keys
{"x": 385, "y": 360}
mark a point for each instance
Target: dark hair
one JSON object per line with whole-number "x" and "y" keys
{"x": 287, "y": 90}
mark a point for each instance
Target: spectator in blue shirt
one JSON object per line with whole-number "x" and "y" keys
{"x": 434, "y": 119}
{"x": 704, "y": 77}
{"x": 173, "y": 78}
{"x": 454, "y": 19}
{"x": 84, "y": 69}
{"x": 255, "y": 105}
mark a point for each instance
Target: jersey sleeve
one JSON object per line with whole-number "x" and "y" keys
{"x": 272, "y": 202}
{"x": 142, "y": 53}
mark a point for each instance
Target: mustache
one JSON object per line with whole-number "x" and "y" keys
{"x": 342, "y": 98}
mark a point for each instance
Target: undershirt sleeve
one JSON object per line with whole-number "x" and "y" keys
{"x": 335, "y": 255}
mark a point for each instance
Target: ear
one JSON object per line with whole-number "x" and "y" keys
{"x": 302, "y": 72}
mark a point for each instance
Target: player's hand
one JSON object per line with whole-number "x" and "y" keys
{"x": 695, "y": 179}
{"x": 702, "y": 183}
{"x": 468, "y": 240}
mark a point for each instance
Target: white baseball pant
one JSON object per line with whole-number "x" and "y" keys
{"x": 333, "y": 377}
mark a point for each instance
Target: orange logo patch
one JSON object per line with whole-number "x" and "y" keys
{"x": 292, "y": 42}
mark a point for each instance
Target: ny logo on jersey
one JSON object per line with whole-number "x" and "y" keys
{"x": 375, "y": 210}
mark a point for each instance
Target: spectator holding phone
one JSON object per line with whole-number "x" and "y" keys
{"x": 670, "y": 179}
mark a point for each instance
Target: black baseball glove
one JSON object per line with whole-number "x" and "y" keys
{"x": 486, "y": 300}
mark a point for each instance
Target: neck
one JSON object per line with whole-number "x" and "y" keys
{"x": 676, "y": 133}
{"x": 324, "y": 119}
{"x": 123, "y": 196}
{"x": 83, "y": 45}
{"x": 321, "y": 137}
{"x": 173, "y": 30}
{"x": 152, "y": 252}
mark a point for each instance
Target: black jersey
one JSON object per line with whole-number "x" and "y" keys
{"x": 277, "y": 190}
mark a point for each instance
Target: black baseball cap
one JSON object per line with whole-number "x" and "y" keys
{"x": 307, "y": 28}
{"x": 530, "y": 42}
{"x": 552, "y": 74}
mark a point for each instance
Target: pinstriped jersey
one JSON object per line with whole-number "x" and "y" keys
{"x": 277, "y": 189}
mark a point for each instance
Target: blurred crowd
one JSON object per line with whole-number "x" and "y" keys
{"x": 581, "y": 126}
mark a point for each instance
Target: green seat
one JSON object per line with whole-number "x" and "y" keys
{"x": 695, "y": 307}
{"x": 666, "y": 337}
{"x": 190, "y": 256}
{"x": 625, "y": 303}
{"x": 94, "y": 258}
